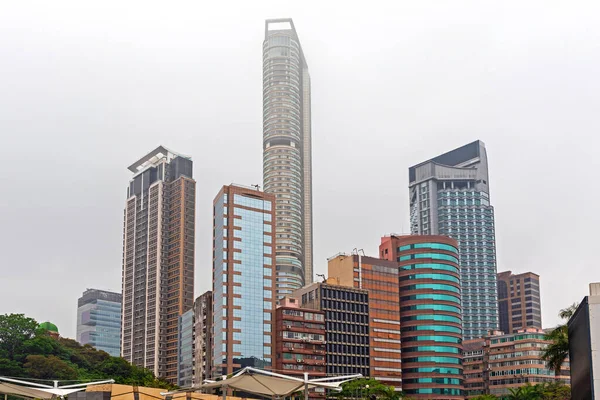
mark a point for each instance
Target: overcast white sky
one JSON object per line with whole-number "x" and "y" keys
{"x": 86, "y": 89}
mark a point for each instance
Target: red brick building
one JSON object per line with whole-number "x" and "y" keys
{"x": 299, "y": 340}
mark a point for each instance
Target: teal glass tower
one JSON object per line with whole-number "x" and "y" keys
{"x": 450, "y": 195}
{"x": 430, "y": 316}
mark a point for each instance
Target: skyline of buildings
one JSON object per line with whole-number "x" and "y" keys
{"x": 399, "y": 318}
{"x": 450, "y": 196}
{"x": 158, "y": 259}
{"x": 99, "y": 320}
{"x": 287, "y": 152}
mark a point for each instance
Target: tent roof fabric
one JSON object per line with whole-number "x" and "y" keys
{"x": 23, "y": 391}
{"x": 267, "y": 383}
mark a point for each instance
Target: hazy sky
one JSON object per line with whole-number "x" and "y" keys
{"x": 86, "y": 89}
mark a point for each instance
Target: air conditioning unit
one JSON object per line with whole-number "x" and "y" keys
{"x": 288, "y": 326}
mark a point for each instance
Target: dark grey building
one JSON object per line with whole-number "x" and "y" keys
{"x": 346, "y": 324}
{"x": 287, "y": 165}
{"x": 584, "y": 344}
{"x": 203, "y": 316}
{"x": 99, "y": 320}
{"x": 450, "y": 195}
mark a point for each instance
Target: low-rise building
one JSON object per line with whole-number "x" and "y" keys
{"x": 346, "y": 312}
{"x": 500, "y": 362}
{"x": 299, "y": 341}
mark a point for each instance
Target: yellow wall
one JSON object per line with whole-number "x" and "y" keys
{"x": 341, "y": 268}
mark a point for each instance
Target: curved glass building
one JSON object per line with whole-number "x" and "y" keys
{"x": 430, "y": 317}
{"x": 287, "y": 152}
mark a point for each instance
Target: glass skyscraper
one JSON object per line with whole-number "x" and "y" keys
{"x": 99, "y": 320}
{"x": 449, "y": 195}
{"x": 287, "y": 168}
{"x": 185, "y": 365}
{"x": 243, "y": 279}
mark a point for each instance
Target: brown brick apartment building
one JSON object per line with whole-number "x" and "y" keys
{"x": 299, "y": 340}
{"x": 158, "y": 259}
{"x": 380, "y": 278}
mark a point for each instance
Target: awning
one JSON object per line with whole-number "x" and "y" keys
{"x": 271, "y": 384}
{"x": 32, "y": 390}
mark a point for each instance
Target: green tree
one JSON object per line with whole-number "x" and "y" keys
{"x": 50, "y": 367}
{"x": 366, "y": 388}
{"x": 555, "y": 391}
{"x": 27, "y": 351}
{"x": 525, "y": 392}
{"x": 15, "y": 329}
{"x": 556, "y": 352}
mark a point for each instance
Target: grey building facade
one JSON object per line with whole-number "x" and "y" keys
{"x": 99, "y": 320}
{"x": 450, "y": 195}
{"x": 203, "y": 340}
{"x": 287, "y": 165}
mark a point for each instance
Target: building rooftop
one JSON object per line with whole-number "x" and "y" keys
{"x": 49, "y": 326}
{"x": 151, "y": 158}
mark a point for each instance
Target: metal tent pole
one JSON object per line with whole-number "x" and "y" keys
{"x": 306, "y": 386}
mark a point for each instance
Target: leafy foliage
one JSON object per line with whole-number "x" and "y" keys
{"x": 368, "y": 388}
{"x": 541, "y": 391}
{"x": 556, "y": 352}
{"x": 26, "y": 351}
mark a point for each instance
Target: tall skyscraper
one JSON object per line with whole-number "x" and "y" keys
{"x": 519, "y": 305}
{"x": 158, "y": 259}
{"x": 449, "y": 195}
{"x": 287, "y": 166}
{"x": 99, "y": 320}
{"x": 243, "y": 279}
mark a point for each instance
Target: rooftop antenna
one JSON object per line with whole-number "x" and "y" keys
{"x": 257, "y": 187}
{"x": 322, "y": 276}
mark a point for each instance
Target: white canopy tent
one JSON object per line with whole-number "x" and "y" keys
{"x": 30, "y": 390}
{"x": 270, "y": 384}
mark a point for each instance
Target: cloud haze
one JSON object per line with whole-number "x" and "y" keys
{"x": 86, "y": 89}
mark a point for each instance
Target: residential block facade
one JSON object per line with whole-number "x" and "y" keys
{"x": 158, "y": 259}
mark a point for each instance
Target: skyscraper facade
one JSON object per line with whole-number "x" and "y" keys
{"x": 449, "y": 195}
{"x": 158, "y": 259}
{"x": 99, "y": 320}
{"x": 380, "y": 278}
{"x": 346, "y": 325}
{"x": 430, "y": 317}
{"x": 519, "y": 304}
{"x": 287, "y": 166}
{"x": 186, "y": 349}
{"x": 243, "y": 279}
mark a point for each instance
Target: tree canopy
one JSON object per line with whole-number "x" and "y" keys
{"x": 26, "y": 351}
{"x": 368, "y": 388}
